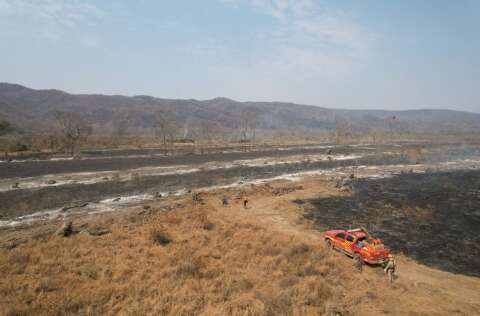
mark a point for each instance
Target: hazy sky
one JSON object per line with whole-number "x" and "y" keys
{"x": 351, "y": 54}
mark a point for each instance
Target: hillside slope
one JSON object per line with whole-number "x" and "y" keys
{"x": 173, "y": 257}
{"x": 32, "y": 110}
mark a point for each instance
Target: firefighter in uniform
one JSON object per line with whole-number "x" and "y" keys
{"x": 390, "y": 267}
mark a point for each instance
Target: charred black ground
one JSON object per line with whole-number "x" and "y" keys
{"x": 15, "y": 203}
{"x": 432, "y": 217}
{"x": 149, "y": 158}
{"x": 22, "y": 202}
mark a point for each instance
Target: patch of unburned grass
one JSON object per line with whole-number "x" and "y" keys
{"x": 206, "y": 264}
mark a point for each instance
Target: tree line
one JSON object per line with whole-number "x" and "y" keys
{"x": 70, "y": 131}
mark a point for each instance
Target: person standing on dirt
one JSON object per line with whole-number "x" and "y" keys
{"x": 245, "y": 202}
{"x": 358, "y": 263}
{"x": 224, "y": 201}
{"x": 390, "y": 267}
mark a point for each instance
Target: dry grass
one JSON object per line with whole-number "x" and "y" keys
{"x": 194, "y": 260}
{"x": 206, "y": 265}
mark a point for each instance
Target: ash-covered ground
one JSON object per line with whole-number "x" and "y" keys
{"x": 433, "y": 217}
{"x": 33, "y": 186}
{"x": 423, "y": 200}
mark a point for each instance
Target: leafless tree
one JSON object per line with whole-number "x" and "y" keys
{"x": 5, "y": 129}
{"x": 342, "y": 130}
{"x": 390, "y": 124}
{"x": 165, "y": 129}
{"x": 207, "y": 132}
{"x": 248, "y": 127}
{"x": 73, "y": 129}
{"x": 121, "y": 126}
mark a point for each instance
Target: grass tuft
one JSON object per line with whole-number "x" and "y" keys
{"x": 159, "y": 237}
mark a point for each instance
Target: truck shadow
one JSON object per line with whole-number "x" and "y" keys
{"x": 433, "y": 218}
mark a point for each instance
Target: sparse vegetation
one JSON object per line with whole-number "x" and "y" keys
{"x": 159, "y": 237}
{"x": 198, "y": 259}
{"x": 5, "y": 127}
{"x": 204, "y": 272}
{"x": 165, "y": 129}
{"x": 73, "y": 130}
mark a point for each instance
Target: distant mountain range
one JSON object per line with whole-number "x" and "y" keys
{"x": 33, "y": 111}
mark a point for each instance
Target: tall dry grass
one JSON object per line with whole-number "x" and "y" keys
{"x": 190, "y": 261}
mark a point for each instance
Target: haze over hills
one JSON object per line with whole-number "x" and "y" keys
{"x": 33, "y": 110}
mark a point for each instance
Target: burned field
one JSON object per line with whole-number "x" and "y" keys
{"x": 27, "y": 201}
{"x": 433, "y": 218}
{"x": 188, "y": 254}
{"x": 145, "y": 158}
{"x": 104, "y": 187}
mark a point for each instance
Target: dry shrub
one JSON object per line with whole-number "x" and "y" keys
{"x": 243, "y": 306}
{"x": 201, "y": 221}
{"x": 208, "y": 226}
{"x": 16, "y": 311}
{"x": 297, "y": 256}
{"x": 172, "y": 219}
{"x": 234, "y": 285}
{"x": 288, "y": 281}
{"x": 307, "y": 270}
{"x": 17, "y": 257}
{"x": 312, "y": 293}
{"x": 278, "y": 305}
{"x": 418, "y": 213}
{"x": 88, "y": 274}
{"x": 159, "y": 237}
{"x": 188, "y": 269}
{"x": 299, "y": 249}
{"x": 270, "y": 250}
{"x": 18, "y": 260}
{"x": 212, "y": 273}
{"x": 46, "y": 285}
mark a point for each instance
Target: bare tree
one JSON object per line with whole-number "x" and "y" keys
{"x": 253, "y": 127}
{"x": 165, "y": 129}
{"x": 5, "y": 129}
{"x": 121, "y": 122}
{"x": 248, "y": 127}
{"x": 390, "y": 125}
{"x": 206, "y": 131}
{"x": 121, "y": 127}
{"x": 342, "y": 130}
{"x": 73, "y": 129}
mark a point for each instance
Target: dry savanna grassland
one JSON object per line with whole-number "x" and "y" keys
{"x": 176, "y": 256}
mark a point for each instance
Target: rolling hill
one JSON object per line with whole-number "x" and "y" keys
{"x": 33, "y": 110}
